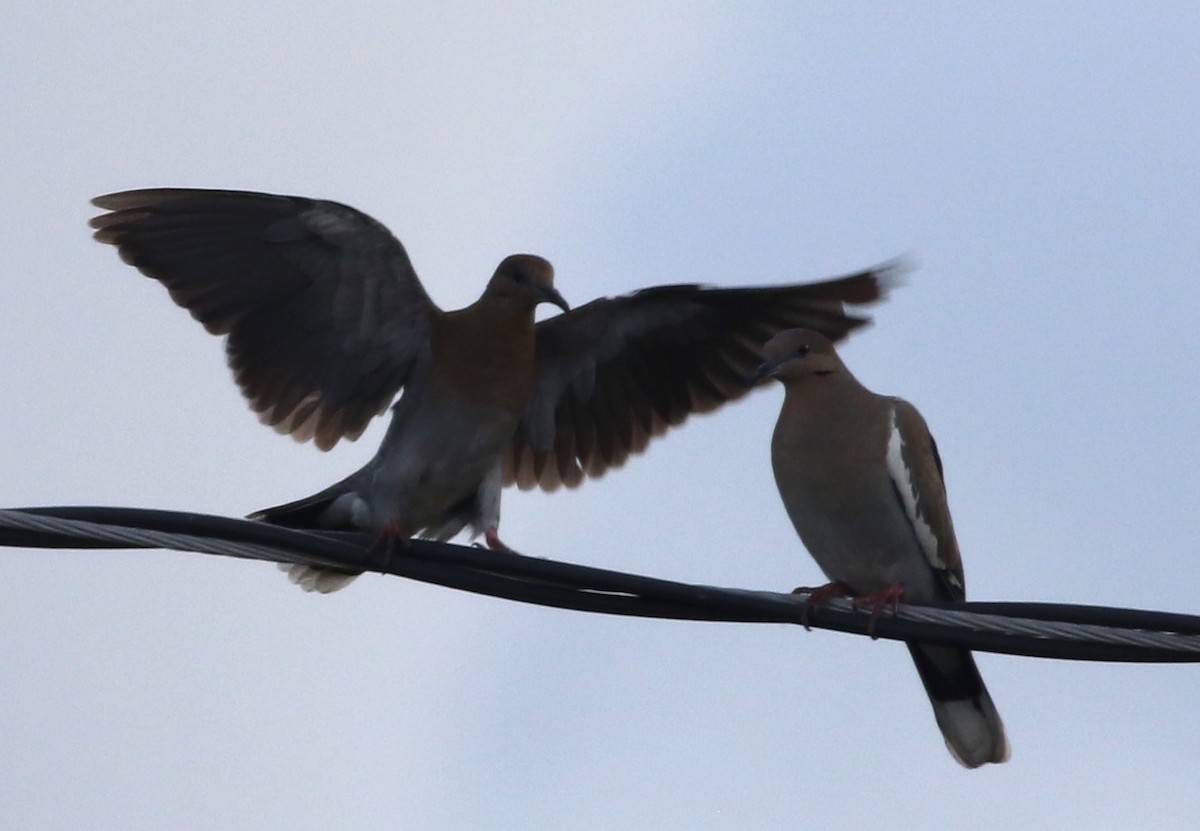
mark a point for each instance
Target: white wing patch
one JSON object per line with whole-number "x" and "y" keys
{"x": 902, "y": 479}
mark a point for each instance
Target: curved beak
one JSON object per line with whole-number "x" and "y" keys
{"x": 549, "y": 294}
{"x": 765, "y": 370}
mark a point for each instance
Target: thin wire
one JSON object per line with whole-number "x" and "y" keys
{"x": 1035, "y": 629}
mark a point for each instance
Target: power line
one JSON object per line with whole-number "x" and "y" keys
{"x": 1046, "y": 630}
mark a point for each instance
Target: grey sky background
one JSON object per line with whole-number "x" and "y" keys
{"x": 1038, "y": 160}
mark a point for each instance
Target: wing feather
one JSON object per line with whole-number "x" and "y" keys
{"x": 324, "y": 315}
{"x": 617, "y": 372}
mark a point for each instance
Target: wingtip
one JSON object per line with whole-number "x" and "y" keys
{"x": 122, "y": 199}
{"x": 119, "y": 205}
{"x": 862, "y": 288}
{"x": 883, "y": 279}
{"x": 101, "y": 225}
{"x": 104, "y": 200}
{"x": 894, "y": 273}
{"x": 136, "y": 198}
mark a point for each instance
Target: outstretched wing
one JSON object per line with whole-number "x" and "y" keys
{"x": 325, "y": 317}
{"x": 617, "y": 372}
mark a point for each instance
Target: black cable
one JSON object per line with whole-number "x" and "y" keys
{"x": 1034, "y": 629}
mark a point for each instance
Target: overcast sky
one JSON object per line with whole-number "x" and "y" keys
{"x": 1038, "y": 160}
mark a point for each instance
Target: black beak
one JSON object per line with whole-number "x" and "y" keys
{"x": 765, "y": 370}
{"x": 549, "y": 294}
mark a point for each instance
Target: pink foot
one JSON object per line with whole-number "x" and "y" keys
{"x": 819, "y": 596}
{"x": 391, "y": 538}
{"x": 880, "y": 601}
{"x": 492, "y": 537}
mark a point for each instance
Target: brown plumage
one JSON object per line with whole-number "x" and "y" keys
{"x": 861, "y": 479}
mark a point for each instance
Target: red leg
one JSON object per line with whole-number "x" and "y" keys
{"x": 392, "y": 536}
{"x": 492, "y": 537}
{"x": 819, "y": 596}
{"x": 879, "y": 601}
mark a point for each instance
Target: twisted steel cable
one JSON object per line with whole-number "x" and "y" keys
{"x": 1046, "y": 630}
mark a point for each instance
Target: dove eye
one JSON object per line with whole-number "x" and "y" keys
{"x": 803, "y": 350}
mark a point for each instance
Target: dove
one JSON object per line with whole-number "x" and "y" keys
{"x": 325, "y": 322}
{"x": 861, "y": 480}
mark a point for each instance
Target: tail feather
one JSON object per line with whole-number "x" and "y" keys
{"x": 963, "y": 708}
{"x": 335, "y": 509}
{"x": 320, "y": 580}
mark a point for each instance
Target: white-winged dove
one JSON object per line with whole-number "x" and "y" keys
{"x": 326, "y": 321}
{"x": 861, "y": 479}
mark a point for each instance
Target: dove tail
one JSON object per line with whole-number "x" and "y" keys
{"x": 337, "y": 508}
{"x": 332, "y": 509}
{"x": 310, "y": 512}
{"x": 962, "y": 706}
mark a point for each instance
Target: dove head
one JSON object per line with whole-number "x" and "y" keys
{"x": 527, "y": 280}
{"x": 797, "y": 356}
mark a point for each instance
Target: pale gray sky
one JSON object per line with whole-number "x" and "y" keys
{"x": 1039, "y": 160}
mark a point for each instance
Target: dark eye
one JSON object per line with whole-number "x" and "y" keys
{"x": 803, "y": 350}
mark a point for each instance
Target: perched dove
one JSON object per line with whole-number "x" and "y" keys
{"x": 326, "y": 321}
{"x": 861, "y": 479}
